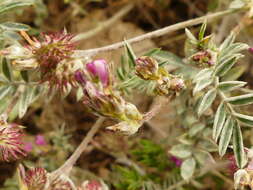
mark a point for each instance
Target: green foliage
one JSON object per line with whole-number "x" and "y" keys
{"x": 210, "y": 81}
{"x": 15, "y": 87}
{"x": 129, "y": 179}
{"x": 151, "y": 155}
{"x": 8, "y": 5}
{"x": 126, "y": 74}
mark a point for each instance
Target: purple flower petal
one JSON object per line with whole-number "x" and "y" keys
{"x": 79, "y": 76}
{"x": 176, "y": 160}
{"x": 98, "y": 68}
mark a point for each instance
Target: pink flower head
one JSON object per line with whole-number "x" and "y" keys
{"x": 176, "y": 160}
{"x": 28, "y": 147}
{"x": 35, "y": 178}
{"x": 11, "y": 144}
{"x": 99, "y": 69}
{"x": 40, "y": 140}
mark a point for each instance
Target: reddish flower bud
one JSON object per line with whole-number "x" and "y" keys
{"x": 39, "y": 179}
{"x": 147, "y": 68}
{"x": 93, "y": 185}
{"x": 204, "y": 58}
{"x": 177, "y": 84}
{"x": 35, "y": 178}
{"x": 11, "y": 145}
{"x": 99, "y": 70}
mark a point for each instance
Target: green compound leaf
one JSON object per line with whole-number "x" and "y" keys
{"x": 225, "y": 66}
{"x": 181, "y": 151}
{"x": 130, "y": 53}
{"x": 231, "y": 85}
{"x": 228, "y": 41}
{"x": 219, "y": 121}
{"x": 206, "y": 101}
{"x": 5, "y": 90}
{"x": 6, "y": 70}
{"x": 226, "y": 135}
{"x": 202, "y": 31}
{"x": 241, "y": 100}
{"x": 244, "y": 119}
{"x": 187, "y": 168}
{"x": 4, "y": 7}
{"x": 240, "y": 156}
{"x": 14, "y": 26}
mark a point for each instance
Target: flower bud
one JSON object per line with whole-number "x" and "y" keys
{"x": 11, "y": 145}
{"x": 132, "y": 112}
{"x": 204, "y": 58}
{"x": 241, "y": 178}
{"x": 104, "y": 100}
{"x": 93, "y": 185}
{"x": 39, "y": 179}
{"x": 35, "y": 178}
{"x": 98, "y": 70}
{"x": 147, "y": 68}
{"x": 163, "y": 87}
{"x": 177, "y": 84}
{"x": 63, "y": 77}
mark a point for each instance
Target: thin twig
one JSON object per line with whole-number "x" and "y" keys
{"x": 106, "y": 24}
{"x": 68, "y": 165}
{"x": 154, "y": 34}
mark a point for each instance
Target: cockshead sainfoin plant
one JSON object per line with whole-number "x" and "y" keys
{"x": 210, "y": 100}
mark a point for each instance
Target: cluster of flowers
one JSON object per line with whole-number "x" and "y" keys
{"x": 38, "y": 141}
{"x": 100, "y": 95}
{"x": 11, "y": 144}
{"x": 53, "y": 57}
{"x": 40, "y": 179}
{"x": 148, "y": 68}
{"x": 204, "y": 58}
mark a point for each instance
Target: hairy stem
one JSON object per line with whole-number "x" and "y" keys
{"x": 68, "y": 165}
{"x": 156, "y": 33}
